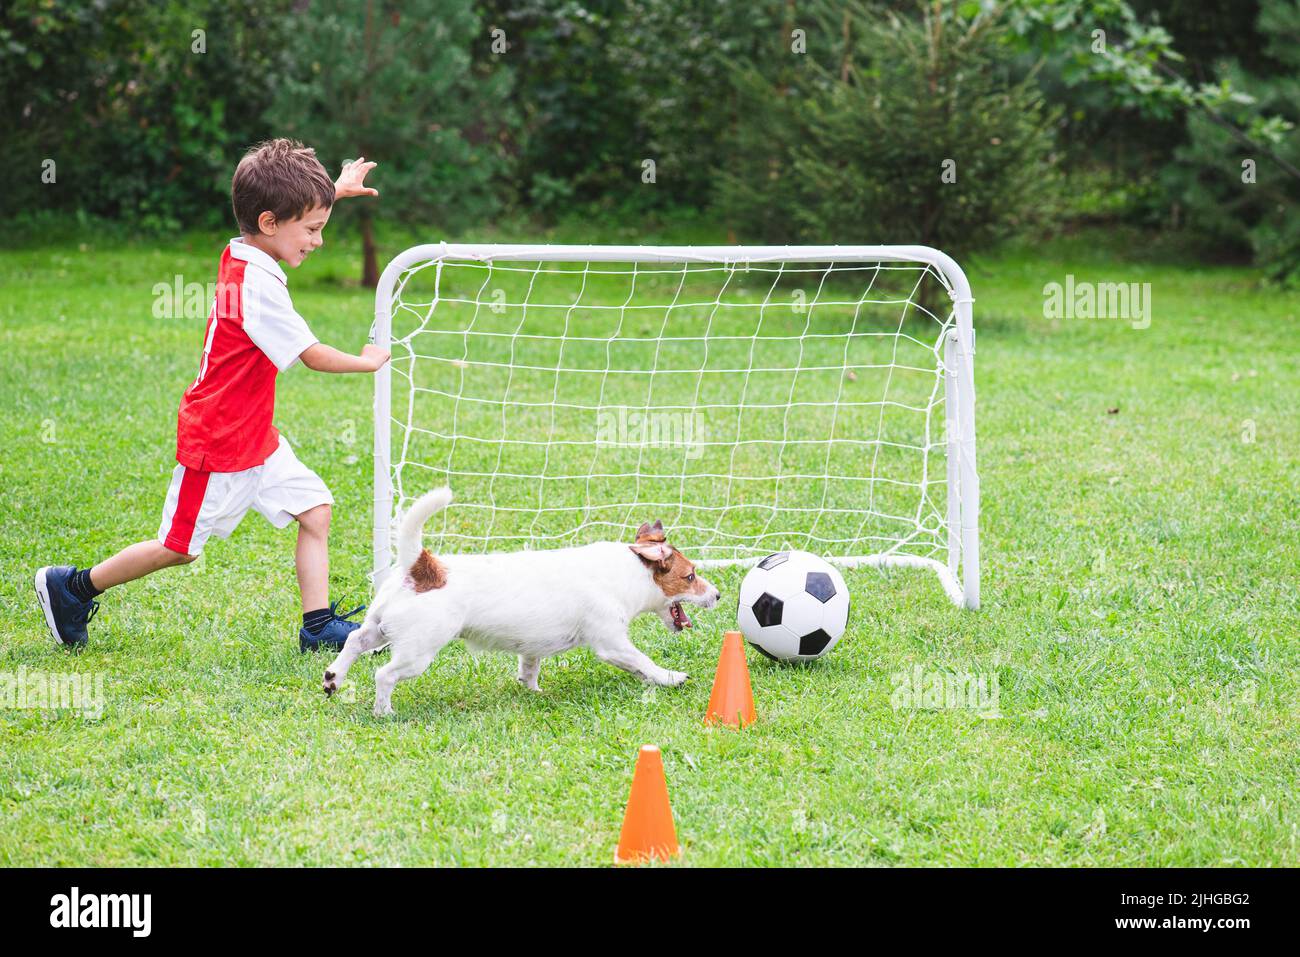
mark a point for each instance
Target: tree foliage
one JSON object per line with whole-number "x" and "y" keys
{"x": 903, "y": 127}
{"x": 395, "y": 82}
{"x": 141, "y": 116}
{"x": 556, "y": 114}
{"x": 1238, "y": 192}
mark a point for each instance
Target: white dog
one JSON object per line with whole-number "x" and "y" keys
{"x": 533, "y": 604}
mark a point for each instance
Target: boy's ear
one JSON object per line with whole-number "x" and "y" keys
{"x": 266, "y": 222}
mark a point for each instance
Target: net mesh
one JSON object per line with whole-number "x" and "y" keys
{"x": 749, "y": 406}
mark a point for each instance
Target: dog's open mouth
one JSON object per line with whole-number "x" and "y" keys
{"x": 680, "y": 618}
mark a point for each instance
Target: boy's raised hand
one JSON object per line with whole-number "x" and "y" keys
{"x": 351, "y": 181}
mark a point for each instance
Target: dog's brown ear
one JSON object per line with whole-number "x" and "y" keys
{"x": 652, "y": 552}
{"x": 651, "y": 533}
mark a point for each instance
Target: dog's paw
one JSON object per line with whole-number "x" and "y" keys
{"x": 329, "y": 685}
{"x": 383, "y": 711}
{"x": 530, "y": 685}
{"x": 675, "y": 678}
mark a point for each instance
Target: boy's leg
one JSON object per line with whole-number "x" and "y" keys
{"x": 322, "y": 626}
{"x": 136, "y": 561}
{"x": 312, "y": 557}
{"x": 289, "y": 491}
{"x": 197, "y": 505}
{"x": 67, "y": 595}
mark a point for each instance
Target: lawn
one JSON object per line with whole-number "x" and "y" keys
{"x": 1139, "y": 535}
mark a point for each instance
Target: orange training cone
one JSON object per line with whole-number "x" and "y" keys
{"x": 648, "y": 830}
{"x": 732, "y": 701}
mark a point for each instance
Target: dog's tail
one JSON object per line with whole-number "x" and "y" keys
{"x": 410, "y": 535}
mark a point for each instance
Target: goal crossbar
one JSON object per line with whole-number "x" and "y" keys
{"x": 957, "y": 560}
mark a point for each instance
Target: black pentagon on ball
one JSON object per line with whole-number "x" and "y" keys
{"x": 820, "y": 586}
{"x": 814, "y": 643}
{"x": 768, "y": 610}
{"x": 773, "y": 560}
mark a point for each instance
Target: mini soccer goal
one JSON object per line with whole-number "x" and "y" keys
{"x": 753, "y": 398}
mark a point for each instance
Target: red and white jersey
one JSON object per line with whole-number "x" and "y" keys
{"x": 253, "y": 333}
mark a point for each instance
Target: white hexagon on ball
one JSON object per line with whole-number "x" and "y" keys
{"x": 793, "y": 606}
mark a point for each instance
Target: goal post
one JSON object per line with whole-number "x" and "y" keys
{"x": 754, "y": 398}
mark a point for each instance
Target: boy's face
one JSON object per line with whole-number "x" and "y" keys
{"x": 291, "y": 240}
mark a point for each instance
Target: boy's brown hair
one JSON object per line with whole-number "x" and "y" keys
{"x": 282, "y": 176}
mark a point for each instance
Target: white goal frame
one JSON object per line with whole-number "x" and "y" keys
{"x": 960, "y": 574}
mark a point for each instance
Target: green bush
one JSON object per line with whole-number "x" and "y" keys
{"x": 1208, "y": 177}
{"x": 397, "y": 85}
{"x": 142, "y": 118}
{"x": 853, "y": 148}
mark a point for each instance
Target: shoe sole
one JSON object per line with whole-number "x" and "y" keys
{"x": 307, "y": 648}
{"x": 43, "y": 596}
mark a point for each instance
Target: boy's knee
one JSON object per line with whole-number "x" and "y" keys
{"x": 172, "y": 557}
{"x": 315, "y": 520}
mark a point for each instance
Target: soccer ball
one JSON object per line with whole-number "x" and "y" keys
{"x": 793, "y": 606}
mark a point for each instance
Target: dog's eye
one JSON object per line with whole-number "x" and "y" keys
{"x": 691, "y": 577}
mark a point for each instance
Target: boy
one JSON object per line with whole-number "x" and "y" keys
{"x": 231, "y": 458}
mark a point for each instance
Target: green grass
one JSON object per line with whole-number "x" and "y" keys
{"x": 1140, "y": 609}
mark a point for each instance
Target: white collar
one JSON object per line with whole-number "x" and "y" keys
{"x": 251, "y": 254}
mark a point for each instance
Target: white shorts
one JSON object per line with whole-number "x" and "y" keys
{"x": 200, "y": 504}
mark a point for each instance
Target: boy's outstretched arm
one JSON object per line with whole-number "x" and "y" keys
{"x": 323, "y": 358}
{"x": 351, "y": 181}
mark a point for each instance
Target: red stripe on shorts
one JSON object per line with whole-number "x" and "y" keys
{"x": 194, "y": 485}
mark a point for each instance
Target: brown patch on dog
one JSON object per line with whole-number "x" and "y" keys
{"x": 674, "y": 573}
{"x": 427, "y": 573}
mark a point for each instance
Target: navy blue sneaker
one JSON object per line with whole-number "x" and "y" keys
{"x": 333, "y": 634}
{"x": 65, "y": 614}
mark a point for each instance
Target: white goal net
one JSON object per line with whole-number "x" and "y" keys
{"x": 752, "y": 398}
